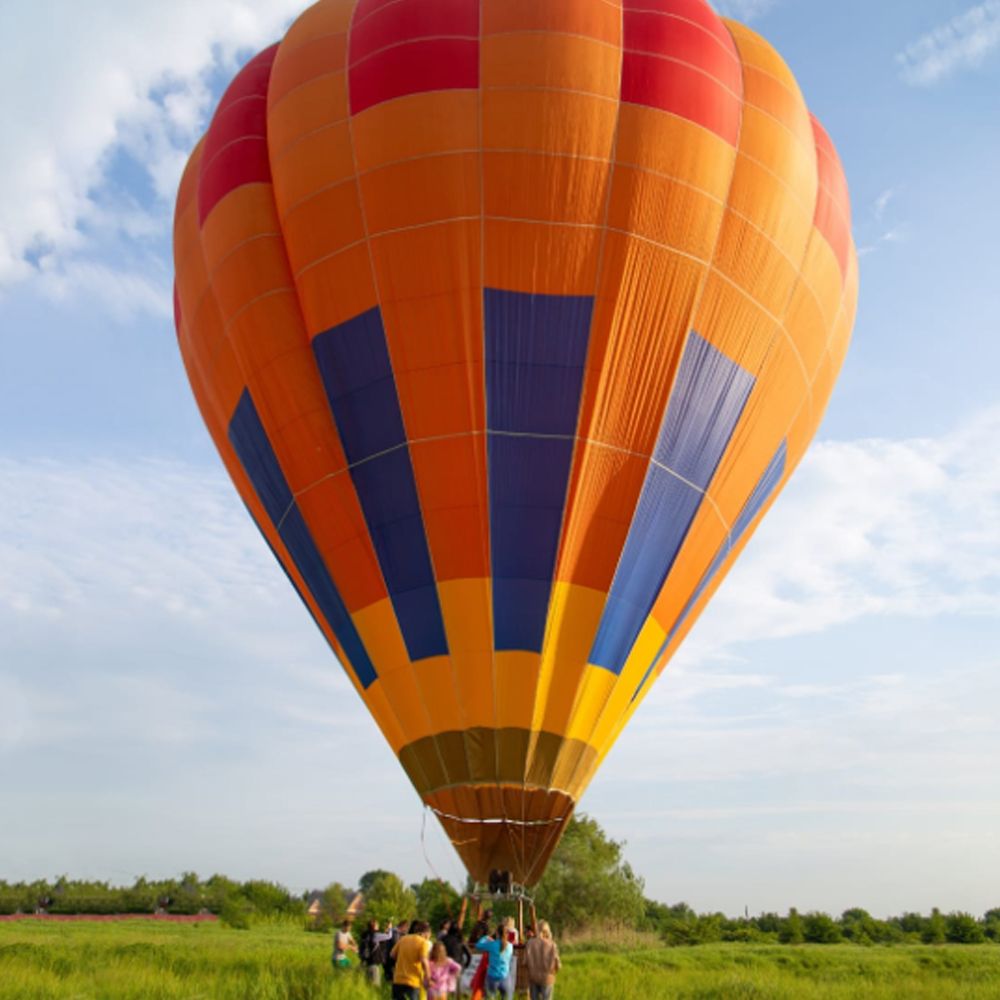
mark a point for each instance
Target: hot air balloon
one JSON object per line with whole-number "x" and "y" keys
{"x": 509, "y": 320}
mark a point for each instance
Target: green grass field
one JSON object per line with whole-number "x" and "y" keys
{"x": 129, "y": 961}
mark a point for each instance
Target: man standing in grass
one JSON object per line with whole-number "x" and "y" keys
{"x": 412, "y": 967}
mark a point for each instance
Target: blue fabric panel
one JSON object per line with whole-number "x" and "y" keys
{"x": 766, "y": 485}
{"x": 249, "y": 440}
{"x": 666, "y": 508}
{"x": 527, "y": 492}
{"x": 353, "y": 359}
{"x": 704, "y": 408}
{"x": 536, "y": 349}
{"x": 535, "y": 353}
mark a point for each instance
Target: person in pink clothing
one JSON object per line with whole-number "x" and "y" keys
{"x": 444, "y": 971}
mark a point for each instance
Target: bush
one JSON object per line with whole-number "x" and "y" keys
{"x": 237, "y": 913}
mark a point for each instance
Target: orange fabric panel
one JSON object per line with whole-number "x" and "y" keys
{"x": 323, "y": 224}
{"x": 314, "y": 105}
{"x": 418, "y": 191}
{"x": 417, "y": 125}
{"x": 336, "y": 288}
{"x": 312, "y": 162}
{"x": 600, "y": 20}
{"x": 550, "y": 60}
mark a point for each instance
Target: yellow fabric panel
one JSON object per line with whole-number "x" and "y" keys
{"x": 619, "y": 697}
{"x": 416, "y": 125}
{"x": 336, "y": 288}
{"x": 574, "y": 615}
{"x": 551, "y": 60}
{"x": 473, "y": 679}
{"x": 516, "y": 680}
{"x": 414, "y": 192}
{"x": 405, "y": 697}
{"x": 435, "y": 678}
{"x": 384, "y": 716}
{"x": 592, "y": 695}
{"x": 467, "y": 609}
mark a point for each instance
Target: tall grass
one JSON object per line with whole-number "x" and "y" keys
{"x": 129, "y": 961}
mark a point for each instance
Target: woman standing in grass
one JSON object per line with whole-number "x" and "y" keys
{"x": 541, "y": 958}
{"x": 499, "y": 951}
{"x": 442, "y": 979}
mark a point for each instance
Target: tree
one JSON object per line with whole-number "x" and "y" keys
{"x": 859, "y": 926}
{"x": 388, "y": 898}
{"x": 367, "y": 880}
{"x": 821, "y": 928}
{"x": 792, "y": 931}
{"x": 963, "y": 928}
{"x": 437, "y": 901}
{"x": 334, "y": 902}
{"x": 588, "y": 882}
{"x": 935, "y": 930}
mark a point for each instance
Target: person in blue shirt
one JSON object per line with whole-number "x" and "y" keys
{"x": 499, "y": 951}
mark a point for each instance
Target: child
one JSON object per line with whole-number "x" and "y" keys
{"x": 443, "y": 980}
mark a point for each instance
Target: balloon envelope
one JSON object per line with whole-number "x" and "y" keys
{"x": 509, "y": 320}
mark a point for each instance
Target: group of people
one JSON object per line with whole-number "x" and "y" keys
{"x": 407, "y": 958}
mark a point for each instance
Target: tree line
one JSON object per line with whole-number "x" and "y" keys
{"x": 587, "y": 885}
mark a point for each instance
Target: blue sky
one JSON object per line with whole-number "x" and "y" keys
{"x": 827, "y": 737}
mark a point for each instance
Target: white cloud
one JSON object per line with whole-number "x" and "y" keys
{"x": 99, "y": 80}
{"x": 964, "y": 42}
{"x": 869, "y": 527}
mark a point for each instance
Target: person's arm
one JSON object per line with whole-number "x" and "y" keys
{"x": 395, "y": 949}
{"x": 555, "y": 948}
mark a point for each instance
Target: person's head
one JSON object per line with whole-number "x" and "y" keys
{"x": 404, "y": 926}
{"x": 487, "y": 915}
{"x": 373, "y": 925}
{"x": 445, "y": 926}
{"x": 420, "y": 927}
{"x": 544, "y": 931}
{"x": 345, "y": 925}
{"x": 438, "y": 952}
{"x": 508, "y": 922}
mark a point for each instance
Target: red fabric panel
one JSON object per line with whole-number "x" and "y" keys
{"x": 409, "y": 20}
{"x": 679, "y": 39}
{"x": 236, "y": 142}
{"x": 415, "y": 68}
{"x": 681, "y": 90}
{"x": 833, "y": 203}
{"x": 696, "y": 11}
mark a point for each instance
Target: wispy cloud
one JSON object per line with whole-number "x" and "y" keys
{"x": 964, "y": 42}
{"x": 879, "y": 232}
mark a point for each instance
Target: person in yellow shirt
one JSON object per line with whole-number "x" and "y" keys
{"x": 412, "y": 966}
